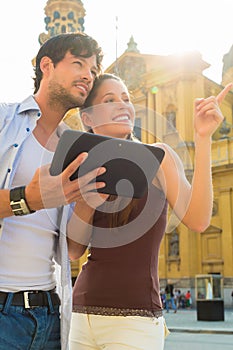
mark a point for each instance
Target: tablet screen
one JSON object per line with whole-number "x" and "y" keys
{"x": 130, "y": 166}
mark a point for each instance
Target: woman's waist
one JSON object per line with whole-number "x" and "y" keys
{"x": 117, "y": 298}
{"x": 114, "y": 311}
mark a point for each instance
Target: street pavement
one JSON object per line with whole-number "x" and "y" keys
{"x": 186, "y": 321}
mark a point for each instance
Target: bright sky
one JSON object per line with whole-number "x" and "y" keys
{"x": 160, "y": 27}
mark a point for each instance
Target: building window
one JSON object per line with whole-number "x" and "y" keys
{"x": 137, "y": 128}
{"x": 173, "y": 245}
{"x": 171, "y": 118}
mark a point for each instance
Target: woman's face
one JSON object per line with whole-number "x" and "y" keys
{"x": 112, "y": 113}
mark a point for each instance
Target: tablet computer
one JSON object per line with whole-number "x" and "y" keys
{"x": 130, "y": 166}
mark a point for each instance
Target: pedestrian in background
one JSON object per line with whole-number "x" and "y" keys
{"x": 177, "y": 294}
{"x": 188, "y": 299}
{"x": 170, "y": 298}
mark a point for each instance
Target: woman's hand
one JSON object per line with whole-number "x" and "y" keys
{"x": 207, "y": 113}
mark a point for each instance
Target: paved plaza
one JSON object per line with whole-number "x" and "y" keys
{"x": 186, "y": 321}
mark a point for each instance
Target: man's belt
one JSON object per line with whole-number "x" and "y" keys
{"x": 31, "y": 299}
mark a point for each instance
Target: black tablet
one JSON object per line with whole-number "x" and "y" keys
{"x": 131, "y": 166}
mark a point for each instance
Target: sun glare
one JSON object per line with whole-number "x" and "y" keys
{"x": 159, "y": 27}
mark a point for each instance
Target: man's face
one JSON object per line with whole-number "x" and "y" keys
{"x": 71, "y": 79}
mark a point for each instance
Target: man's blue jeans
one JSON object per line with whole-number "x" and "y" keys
{"x": 29, "y": 329}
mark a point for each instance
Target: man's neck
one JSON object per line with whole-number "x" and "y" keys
{"x": 46, "y": 135}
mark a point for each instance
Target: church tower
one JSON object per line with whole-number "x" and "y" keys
{"x": 62, "y": 16}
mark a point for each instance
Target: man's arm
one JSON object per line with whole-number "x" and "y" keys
{"x": 5, "y": 208}
{"x": 46, "y": 191}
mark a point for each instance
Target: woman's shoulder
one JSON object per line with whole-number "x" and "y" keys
{"x": 169, "y": 151}
{"x": 171, "y": 160}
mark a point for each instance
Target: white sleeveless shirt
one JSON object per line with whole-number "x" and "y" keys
{"x": 28, "y": 242}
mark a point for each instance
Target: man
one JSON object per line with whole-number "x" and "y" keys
{"x": 169, "y": 299}
{"x": 35, "y": 206}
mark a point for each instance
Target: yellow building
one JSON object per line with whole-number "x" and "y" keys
{"x": 163, "y": 90}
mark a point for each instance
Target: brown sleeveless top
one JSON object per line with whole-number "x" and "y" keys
{"x": 120, "y": 276}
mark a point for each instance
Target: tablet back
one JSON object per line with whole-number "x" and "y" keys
{"x": 130, "y": 165}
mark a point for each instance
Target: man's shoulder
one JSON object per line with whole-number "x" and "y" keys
{"x": 4, "y": 106}
{"x": 10, "y": 109}
{"x": 28, "y": 103}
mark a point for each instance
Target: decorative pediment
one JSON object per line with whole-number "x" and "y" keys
{"x": 131, "y": 69}
{"x": 213, "y": 229}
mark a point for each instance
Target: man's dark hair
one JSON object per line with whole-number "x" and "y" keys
{"x": 78, "y": 44}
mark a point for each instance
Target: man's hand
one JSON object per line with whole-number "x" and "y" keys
{"x": 46, "y": 191}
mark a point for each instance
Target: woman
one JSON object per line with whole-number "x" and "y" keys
{"x": 116, "y": 297}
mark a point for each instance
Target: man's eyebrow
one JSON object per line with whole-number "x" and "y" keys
{"x": 82, "y": 58}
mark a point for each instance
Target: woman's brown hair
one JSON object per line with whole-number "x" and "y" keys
{"x": 118, "y": 217}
